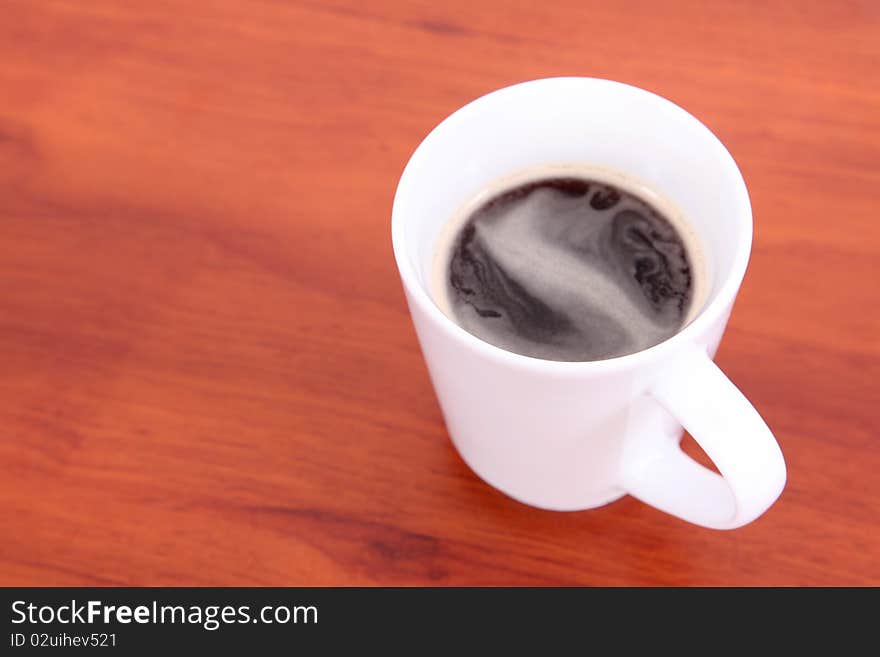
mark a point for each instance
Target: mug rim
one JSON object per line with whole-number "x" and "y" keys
{"x": 707, "y": 317}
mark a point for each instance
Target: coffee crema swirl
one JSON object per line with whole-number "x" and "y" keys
{"x": 567, "y": 267}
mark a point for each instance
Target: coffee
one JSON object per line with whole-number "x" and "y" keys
{"x": 569, "y": 264}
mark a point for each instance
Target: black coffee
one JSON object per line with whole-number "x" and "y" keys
{"x": 570, "y": 269}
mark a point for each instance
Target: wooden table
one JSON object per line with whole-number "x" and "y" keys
{"x": 208, "y": 373}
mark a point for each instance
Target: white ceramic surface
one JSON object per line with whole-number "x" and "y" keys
{"x": 568, "y": 436}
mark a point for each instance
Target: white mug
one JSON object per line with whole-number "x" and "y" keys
{"x": 577, "y": 435}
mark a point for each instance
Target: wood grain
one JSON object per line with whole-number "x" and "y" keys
{"x": 207, "y": 370}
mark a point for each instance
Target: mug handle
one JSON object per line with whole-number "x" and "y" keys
{"x": 728, "y": 428}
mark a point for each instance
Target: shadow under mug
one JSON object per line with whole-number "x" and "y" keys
{"x": 570, "y": 436}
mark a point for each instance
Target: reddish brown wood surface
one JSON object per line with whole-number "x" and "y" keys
{"x": 207, "y": 370}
